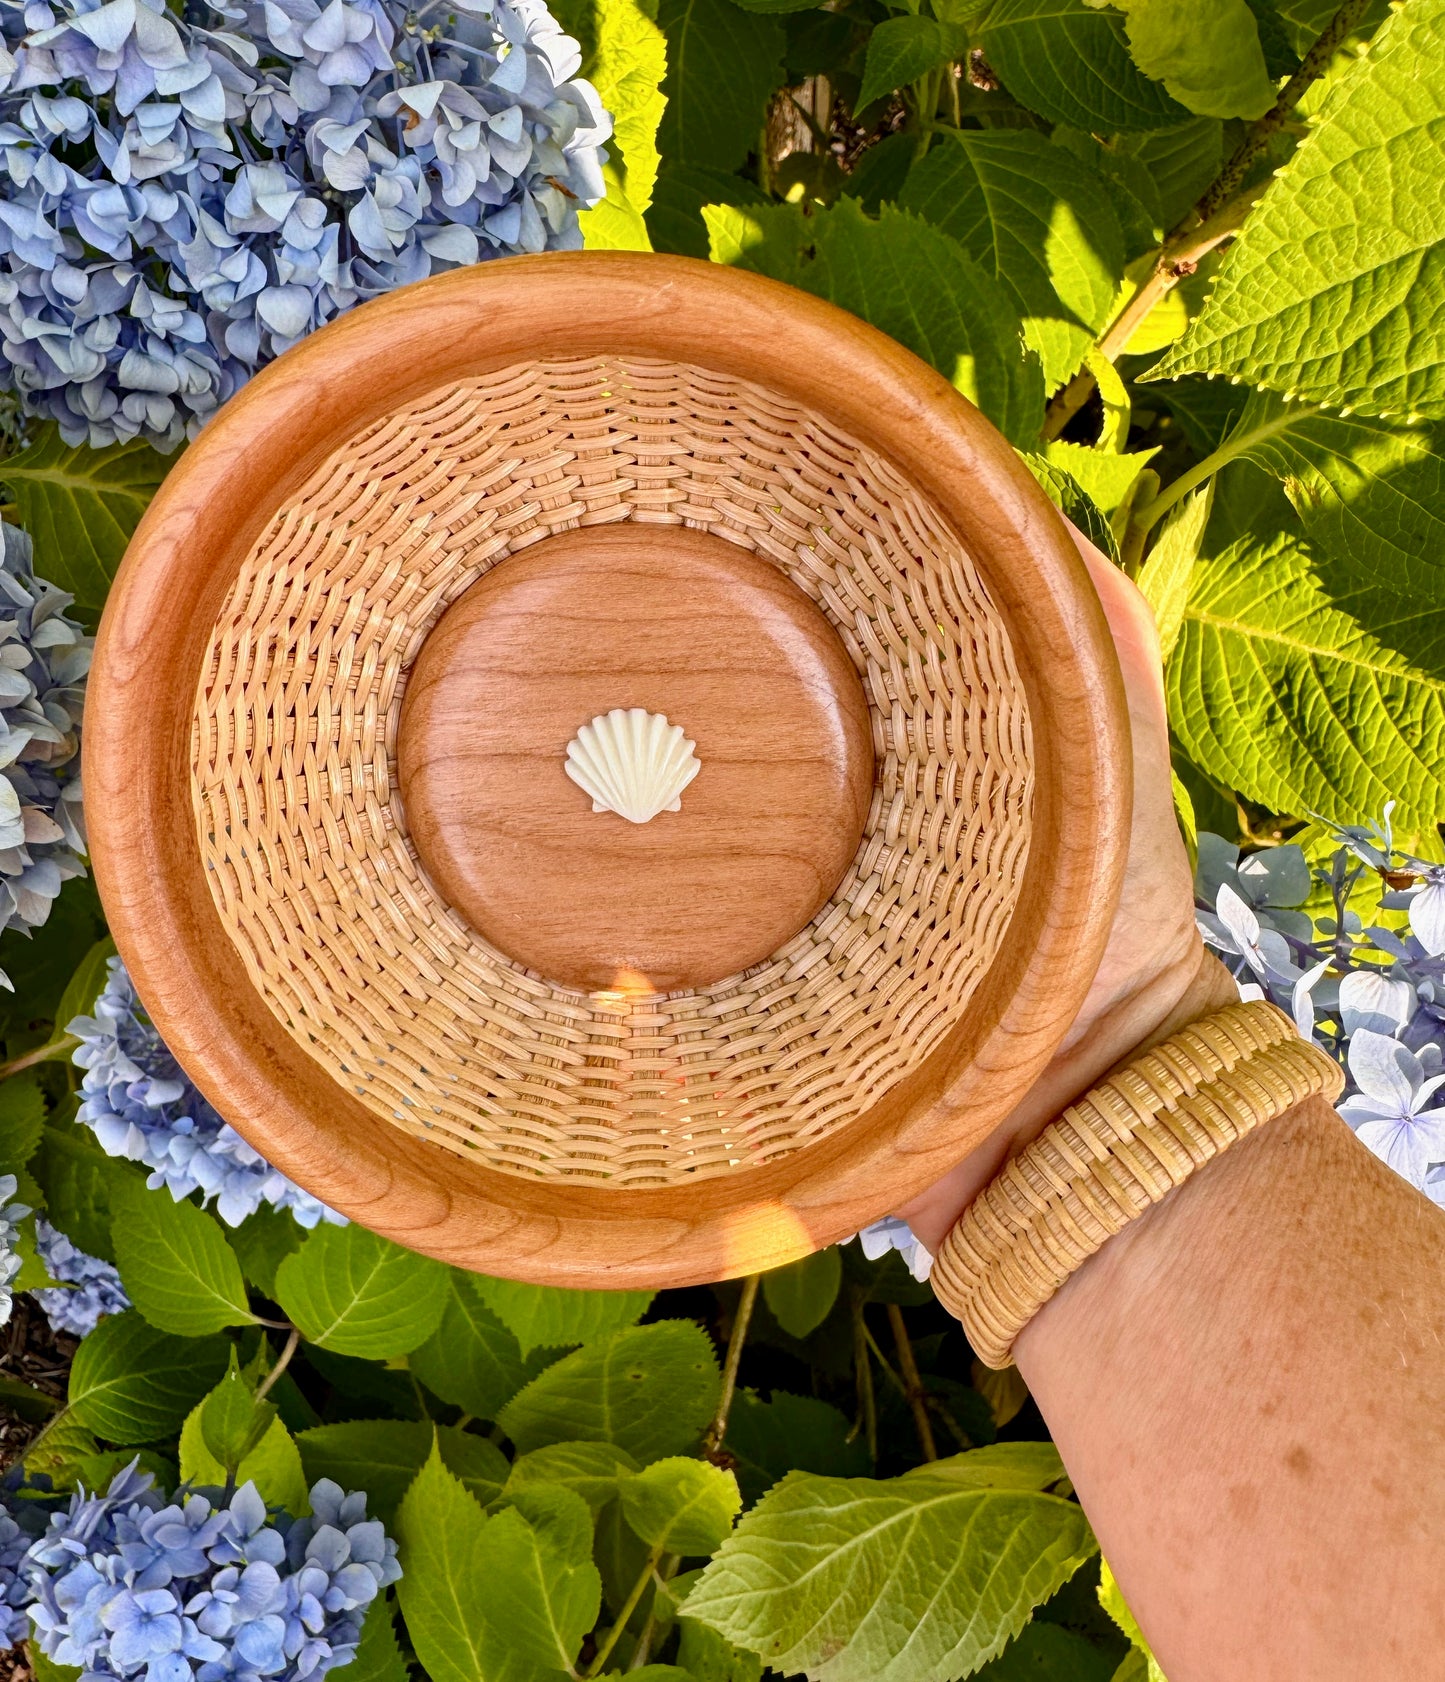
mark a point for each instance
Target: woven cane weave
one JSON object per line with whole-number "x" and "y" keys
{"x": 305, "y": 841}
{"x": 1123, "y": 1147}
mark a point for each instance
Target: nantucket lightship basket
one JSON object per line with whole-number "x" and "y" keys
{"x": 606, "y": 769}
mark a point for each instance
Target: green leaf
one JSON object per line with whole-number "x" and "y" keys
{"x": 176, "y": 1266}
{"x": 650, "y": 1390}
{"x": 359, "y": 1294}
{"x": 77, "y": 1178}
{"x": 1113, "y": 1603}
{"x": 722, "y": 67}
{"x": 1164, "y": 577}
{"x": 1071, "y": 499}
{"x": 914, "y": 1580}
{"x": 1040, "y": 221}
{"x": 675, "y": 222}
{"x": 22, "y": 1120}
{"x": 132, "y": 1384}
{"x": 1334, "y": 290}
{"x": 24, "y": 1401}
{"x": 542, "y": 1597}
{"x": 39, "y": 969}
{"x": 378, "y": 1654}
{"x": 704, "y": 1654}
{"x": 1207, "y": 54}
{"x": 1180, "y": 162}
{"x": 546, "y": 1317}
{"x": 627, "y": 70}
{"x": 444, "y": 1587}
{"x": 1106, "y": 477}
{"x": 902, "y": 49}
{"x": 273, "y": 1464}
{"x": 60, "y": 1452}
{"x": 382, "y": 1456}
{"x": 231, "y": 1421}
{"x": 787, "y": 1433}
{"x": 1034, "y": 1466}
{"x": 908, "y": 279}
{"x": 616, "y": 224}
{"x": 802, "y": 1294}
{"x": 85, "y": 985}
{"x": 263, "y": 1241}
{"x": 682, "y": 1506}
{"x": 1291, "y": 683}
{"x": 472, "y": 1360}
{"x": 1371, "y": 493}
{"x": 45, "y": 1669}
{"x": 595, "y": 1471}
{"x": 80, "y": 506}
{"x": 1069, "y": 62}
{"x": 778, "y": 8}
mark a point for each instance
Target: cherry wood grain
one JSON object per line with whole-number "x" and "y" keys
{"x": 186, "y": 553}
{"x": 676, "y": 622}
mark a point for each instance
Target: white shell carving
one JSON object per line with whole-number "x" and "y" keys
{"x": 632, "y": 762}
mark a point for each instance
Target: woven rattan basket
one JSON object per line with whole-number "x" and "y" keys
{"x": 386, "y": 931}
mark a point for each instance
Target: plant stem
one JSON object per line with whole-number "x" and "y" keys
{"x": 638, "y": 1589}
{"x": 1235, "y": 445}
{"x": 1260, "y": 132}
{"x": 641, "y": 1652}
{"x": 912, "y": 1382}
{"x": 867, "y": 1402}
{"x": 712, "y": 1442}
{"x": 51, "y": 1052}
{"x": 283, "y": 1361}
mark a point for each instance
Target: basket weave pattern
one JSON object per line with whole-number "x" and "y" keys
{"x": 305, "y": 841}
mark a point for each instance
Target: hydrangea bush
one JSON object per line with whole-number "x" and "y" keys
{"x": 210, "y": 1586}
{"x": 44, "y": 657}
{"x": 140, "y": 1104}
{"x": 187, "y": 194}
{"x": 86, "y": 1287}
{"x": 11, "y": 1214}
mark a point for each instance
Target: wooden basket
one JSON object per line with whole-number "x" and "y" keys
{"x": 325, "y": 757}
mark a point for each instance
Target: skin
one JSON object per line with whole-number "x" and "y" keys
{"x": 1247, "y": 1384}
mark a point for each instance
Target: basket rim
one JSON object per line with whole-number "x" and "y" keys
{"x": 260, "y": 448}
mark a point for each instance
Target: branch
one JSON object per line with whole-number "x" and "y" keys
{"x": 1261, "y": 132}
{"x": 283, "y": 1361}
{"x": 712, "y": 1442}
{"x": 53, "y": 1051}
{"x": 912, "y": 1382}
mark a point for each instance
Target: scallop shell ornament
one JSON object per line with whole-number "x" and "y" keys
{"x": 632, "y": 762}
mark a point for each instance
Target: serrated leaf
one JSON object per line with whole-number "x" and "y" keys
{"x": 651, "y": 1390}
{"x": 1069, "y": 62}
{"x": 801, "y": 1295}
{"x": 615, "y": 224}
{"x": 1112, "y": 1600}
{"x": 546, "y": 1317}
{"x": 1034, "y": 1466}
{"x": 1309, "y": 691}
{"x": 1043, "y": 1652}
{"x": 1180, "y": 162}
{"x": 360, "y": 1294}
{"x": 682, "y": 1506}
{"x": 541, "y": 1600}
{"x": 1207, "y": 54}
{"x": 77, "y": 1178}
{"x": 908, "y": 279}
{"x": 443, "y": 1588}
{"x": 592, "y": 1470}
{"x": 1164, "y": 577}
{"x": 24, "y": 1401}
{"x": 1106, "y": 477}
{"x": 674, "y": 219}
{"x": 902, "y": 49}
{"x": 378, "y": 1654}
{"x": 80, "y": 506}
{"x": 1335, "y": 288}
{"x": 382, "y": 1456}
{"x": 472, "y": 1360}
{"x": 176, "y": 1265}
{"x": 705, "y": 1654}
{"x": 1370, "y": 492}
{"x": 722, "y": 67}
{"x": 914, "y": 1580}
{"x": 273, "y": 1464}
{"x": 22, "y": 1120}
{"x": 1040, "y": 221}
{"x": 60, "y": 1451}
{"x": 132, "y": 1384}
{"x": 231, "y": 1420}
{"x": 627, "y": 70}
{"x": 786, "y": 1433}
{"x": 1071, "y": 499}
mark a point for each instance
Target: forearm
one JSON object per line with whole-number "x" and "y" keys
{"x": 1247, "y": 1386}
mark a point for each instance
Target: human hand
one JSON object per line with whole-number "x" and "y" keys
{"x": 1155, "y": 975}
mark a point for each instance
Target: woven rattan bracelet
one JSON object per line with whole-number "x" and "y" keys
{"x": 1120, "y": 1149}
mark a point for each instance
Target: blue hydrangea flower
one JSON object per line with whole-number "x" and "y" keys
{"x": 140, "y": 1104}
{"x": 1374, "y": 997}
{"x": 20, "y": 1522}
{"x": 893, "y": 1234}
{"x": 44, "y": 658}
{"x": 11, "y": 1214}
{"x": 207, "y": 1587}
{"x": 185, "y": 195}
{"x": 87, "y": 1287}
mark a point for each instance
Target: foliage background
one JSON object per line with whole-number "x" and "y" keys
{"x": 1189, "y": 259}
